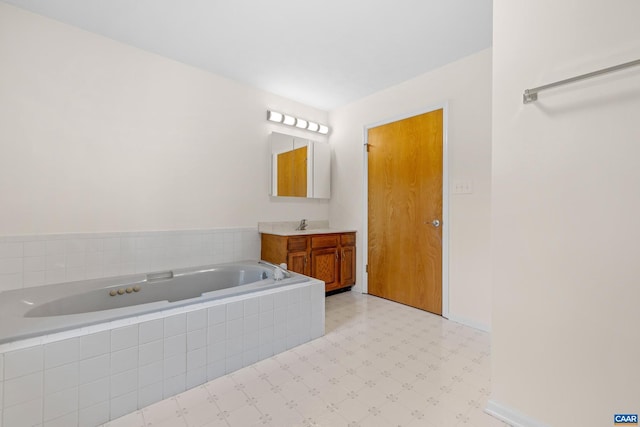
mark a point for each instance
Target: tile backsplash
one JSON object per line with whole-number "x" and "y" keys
{"x": 27, "y": 261}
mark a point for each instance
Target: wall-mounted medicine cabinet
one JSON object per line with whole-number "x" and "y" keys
{"x": 300, "y": 167}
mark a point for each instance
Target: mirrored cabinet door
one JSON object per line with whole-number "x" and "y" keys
{"x": 299, "y": 167}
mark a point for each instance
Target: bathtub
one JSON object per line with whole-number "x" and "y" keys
{"x": 45, "y": 309}
{"x": 82, "y": 353}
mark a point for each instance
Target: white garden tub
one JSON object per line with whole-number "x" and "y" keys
{"x": 82, "y": 353}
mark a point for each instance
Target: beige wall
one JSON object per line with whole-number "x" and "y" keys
{"x": 466, "y": 86}
{"x": 99, "y": 136}
{"x": 565, "y": 211}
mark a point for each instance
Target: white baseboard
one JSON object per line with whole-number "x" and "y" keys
{"x": 470, "y": 323}
{"x": 511, "y": 416}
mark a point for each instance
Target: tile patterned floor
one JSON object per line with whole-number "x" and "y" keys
{"x": 380, "y": 364}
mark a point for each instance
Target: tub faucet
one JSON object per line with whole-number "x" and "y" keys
{"x": 303, "y": 225}
{"x": 279, "y": 273}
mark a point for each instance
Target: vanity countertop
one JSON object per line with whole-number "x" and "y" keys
{"x": 309, "y": 231}
{"x": 288, "y": 228}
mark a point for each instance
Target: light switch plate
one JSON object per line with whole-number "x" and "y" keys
{"x": 462, "y": 186}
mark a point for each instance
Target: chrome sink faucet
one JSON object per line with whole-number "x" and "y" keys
{"x": 303, "y": 225}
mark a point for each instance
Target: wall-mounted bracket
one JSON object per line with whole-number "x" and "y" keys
{"x": 529, "y": 96}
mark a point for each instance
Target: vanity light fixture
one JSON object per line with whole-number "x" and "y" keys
{"x": 286, "y": 119}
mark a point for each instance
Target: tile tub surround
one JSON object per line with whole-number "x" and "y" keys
{"x": 88, "y": 376}
{"x": 27, "y": 261}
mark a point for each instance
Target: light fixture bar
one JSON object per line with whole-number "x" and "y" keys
{"x": 289, "y": 120}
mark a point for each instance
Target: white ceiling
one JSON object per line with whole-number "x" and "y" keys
{"x": 323, "y": 53}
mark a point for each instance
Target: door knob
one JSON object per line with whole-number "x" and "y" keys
{"x": 436, "y": 223}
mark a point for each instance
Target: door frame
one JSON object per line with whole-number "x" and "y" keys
{"x": 445, "y": 197}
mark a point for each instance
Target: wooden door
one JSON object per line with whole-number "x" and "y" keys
{"x": 405, "y": 201}
{"x": 292, "y": 173}
{"x": 324, "y": 266}
{"x": 348, "y": 266}
{"x": 297, "y": 261}
{"x": 285, "y": 174}
{"x": 300, "y": 172}
{"x": 297, "y": 250}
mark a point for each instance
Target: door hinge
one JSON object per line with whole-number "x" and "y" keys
{"x": 367, "y": 145}
{"x": 366, "y": 268}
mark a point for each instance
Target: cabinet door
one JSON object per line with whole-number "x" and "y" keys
{"x": 297, "y": 262}
{"x": 348, "y": 266}
{"x": 324, "y": 266}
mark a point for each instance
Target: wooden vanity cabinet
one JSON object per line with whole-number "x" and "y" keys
{"x": 328, "y": 257}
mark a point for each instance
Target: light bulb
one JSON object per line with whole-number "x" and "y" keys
{"x": 274, "y": 116}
